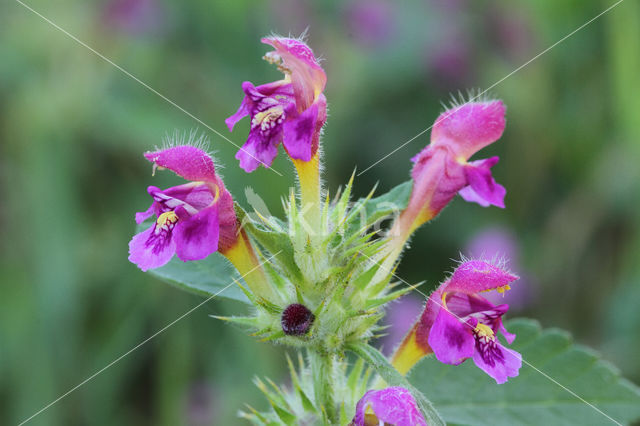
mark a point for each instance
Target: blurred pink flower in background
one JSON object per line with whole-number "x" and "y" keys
{"x": 370, "y": 22}
{"x": 200, "y": 404}
{"x": 133, "y": 16}
{"x": 510, "y": 31}
{"x": 401, "y": 315}
{"x": 449, "y": 63}
{"x": 448, "y": 57}
{"x": 501, "y": 243}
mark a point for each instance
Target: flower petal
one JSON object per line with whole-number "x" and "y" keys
{"x": 463, "y": 305}
{"x": 142, "y": 216}
{"x": 187, "y": 161}
{"x": 197, "y": 236}
{"x": 298, "y": 133}
{"x": 470, "y": 127}
{"x": 392, "y": 405}
{"x": 496, "y": 360}
{"x": 242, "y": 112}
{"x": 474, "y": 276}
{"x": 307, "y": 76}
{"x": 451, "y": 340}
{"x": 192, "y": 196}
{"x": 483, "y": 188}
{"x": 150, "y": 249}
{"x": 509, "y": 337}
{"x": 257, "y": 151}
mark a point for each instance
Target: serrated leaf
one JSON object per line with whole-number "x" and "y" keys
{"x": 466, "y": 395}
{"x": 204, "y": 277}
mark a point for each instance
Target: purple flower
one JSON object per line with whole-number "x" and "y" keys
{"x": 450, "y": 61}
{"x": 133, "y": 16}
{"x": 393, "y": 405}
{"x": 458, "y": 134}
{"x": 442, "y": 170}
{"x": 292, "y": 110}
{"x": 370, "y": 21}
{"x": 458, "y": 324}
{"x": 193, "y": 220}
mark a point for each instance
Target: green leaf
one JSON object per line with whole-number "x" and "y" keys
{"x": 464, "y": 394}
{"x": 388, "y": 204}
{"x": 382, "y": 366}
{"x": 205, "y": 277}
{"x": 272, "y": 240}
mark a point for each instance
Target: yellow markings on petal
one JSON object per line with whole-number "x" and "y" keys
{"x": 444, "y": 299}
{"x": 165, "y": 221}
{"x": 216, "y": 197}
{"x": 268, "y": 118}
{"x": 483, "y": 330}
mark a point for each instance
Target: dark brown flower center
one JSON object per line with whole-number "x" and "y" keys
{"x": 296, "y": 319}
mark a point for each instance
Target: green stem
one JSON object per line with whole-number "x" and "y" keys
{"x": 322, "y": 366}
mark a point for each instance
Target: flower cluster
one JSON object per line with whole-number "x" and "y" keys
{"x": 323, "y": 292}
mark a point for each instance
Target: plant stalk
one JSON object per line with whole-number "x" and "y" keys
{"x": 322, "y": 365}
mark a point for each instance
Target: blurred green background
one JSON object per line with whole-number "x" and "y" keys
{"x": 73, "y": 127}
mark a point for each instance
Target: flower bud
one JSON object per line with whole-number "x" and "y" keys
{"x": 296, "y": 320}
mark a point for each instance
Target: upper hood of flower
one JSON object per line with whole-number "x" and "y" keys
{"x": 468, "y": 128}
{"x": 187, "y": 161}
{"x": 475, "y": 276}
{"x": 298, "y": 61}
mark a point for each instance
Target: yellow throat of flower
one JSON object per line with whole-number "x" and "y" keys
{"x": 166, "y": 219}
{"x": 483, "y": 330}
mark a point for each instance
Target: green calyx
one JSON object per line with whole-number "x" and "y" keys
{"x": 331, "y": 271}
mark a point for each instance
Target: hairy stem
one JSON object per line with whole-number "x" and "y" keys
{"x": 322, "y": 366}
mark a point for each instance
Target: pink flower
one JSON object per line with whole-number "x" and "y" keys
{"x": 292, "y": 110}
{"x": 370, "y": 21}
{"x": 134, "y": 16}
{"x": 193, "y": 220}
{"x": 441, "y": 169}
{"x": 393, "y": 405}
{"x": 458, "y": 324}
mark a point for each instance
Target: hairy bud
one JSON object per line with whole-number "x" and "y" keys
{"x": 296, "y": 319}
